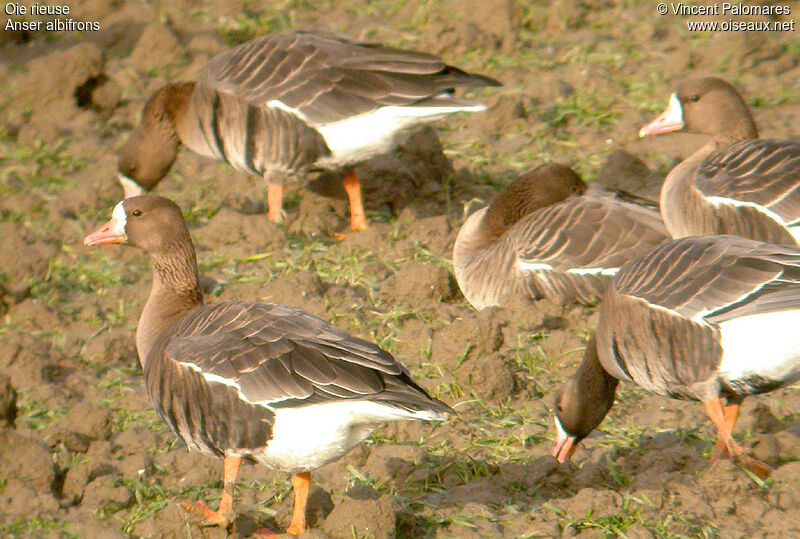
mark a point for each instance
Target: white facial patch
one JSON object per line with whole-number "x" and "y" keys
{"x": 129, "y": 186}
{"x": 120, "y": 220}
{"x": 674, "y": 112}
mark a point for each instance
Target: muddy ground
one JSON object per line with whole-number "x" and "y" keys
{"x": 81, "y": 452}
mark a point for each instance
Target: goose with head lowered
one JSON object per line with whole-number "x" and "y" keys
{"x": 285, "y": 103}
{"x": 706, "y": 318}
{"x": 256, "y": 381}
{"x": 548, "y": 234}
{"x": 736, "y": 183}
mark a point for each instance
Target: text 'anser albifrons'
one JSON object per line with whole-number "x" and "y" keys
{"x": 284, "y": 103}
{"x": 736, "y": 183}
{"x": 701, "y": 318}
{"x": 257, "y": 381}
{"x": 548, "y": 234}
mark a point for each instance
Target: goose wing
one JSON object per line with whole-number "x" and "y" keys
{"x": 714, "y": 278}
{"x": 328, "y": 78}
{"x": 275, "y": 356}
{"x": 591, "y": 234}
{"x": 762, "y": 172}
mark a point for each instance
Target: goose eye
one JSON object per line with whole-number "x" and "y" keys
{"x": 694, "y": 98}
{"x": 136, "y": 213}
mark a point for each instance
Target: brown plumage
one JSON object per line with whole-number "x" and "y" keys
{"x": 548, "y": 234}
{"x": 736, "y": 183}
{"x": 285, "y": 103}
{"x": 701, "y": 318}
{"x": 259, "y": 381}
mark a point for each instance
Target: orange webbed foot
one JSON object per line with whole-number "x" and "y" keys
{"x": 221, "y": 517}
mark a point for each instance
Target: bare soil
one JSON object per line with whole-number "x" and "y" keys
{"x": 81, "y": 452}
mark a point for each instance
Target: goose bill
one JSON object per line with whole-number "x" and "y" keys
{"x": 565, "y": 444}
{"x": 109, "y": 233}
{"x": 668, "y": 121}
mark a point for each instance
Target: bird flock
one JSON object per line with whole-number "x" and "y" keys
{"x": 699, "y": 292}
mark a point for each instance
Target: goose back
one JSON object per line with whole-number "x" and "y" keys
{"x": 565, "y": 251}
{"x": 222, "y": 375}
{"x": 663, "y": 321}
{"x": 338, "y": 101}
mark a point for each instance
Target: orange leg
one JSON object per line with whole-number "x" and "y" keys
{"x": 275, "y": 203}
{"x": 716, "y": 413}
{"x": 224, "y": 515}
{"x": 730, "y": 415}
{"x": 301, "y": 484}
{"x": 358, "y": 219}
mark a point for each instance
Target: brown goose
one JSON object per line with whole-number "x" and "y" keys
{"x": 284, "y": 103}
{"x": 548, "y": 234}
{"x": 736, "y": 183}
{"x": 702, "y": 318}
{"x": 256, "y": 381}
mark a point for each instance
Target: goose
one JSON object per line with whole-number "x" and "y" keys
{"x": 736, "y": 183}
{"x": 285, "y": 103}
{"x": 258, "y": 381}
{"x": 548, "y": 234}
{"x": 703, "y": 318}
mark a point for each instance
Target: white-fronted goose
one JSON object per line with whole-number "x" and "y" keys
{"x": 701, "y": 318}
{"x": 258, "y": 381}
{"x": 736, "y": 183}
{"x": 548, "y": 234}
{"x": 284, "y": 103}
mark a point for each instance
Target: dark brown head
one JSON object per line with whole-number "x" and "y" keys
{"x": 152, "y": 223}
{"x": 708, "y": 106}
{"x": 542, "y": 187}
{"x": 582, "y": 403}
{"x": 151, "y": 149}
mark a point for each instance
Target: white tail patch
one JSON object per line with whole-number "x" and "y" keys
{"x": 761, "y": 345}
{"x": 310, "y": 436}
{"x": 360, "y": 137}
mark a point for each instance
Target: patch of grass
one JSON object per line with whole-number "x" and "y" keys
{"x": 584, "y": 109}
{"x": 80, "y": 272}
{"x": 35, "y": 527}
{"x": 36, "y": 414}
{"x": 149, "y": 498}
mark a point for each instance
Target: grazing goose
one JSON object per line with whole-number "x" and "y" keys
{"x": 255, "y": 381}
{"x": 736, "y": 183}
{"x": 548, "y": 234}
{"x": 284, "y": 103}
{"x": 701, "y": 318}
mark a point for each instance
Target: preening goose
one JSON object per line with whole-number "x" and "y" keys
{"x": 255, "y": 381}
{"x": 284, "y": 103}
{"x": 736, "y": 183}
{"x": 702, "y": 318}
{"x": 548, "y": 234}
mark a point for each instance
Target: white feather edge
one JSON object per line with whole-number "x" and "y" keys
{"x": 523, "y": 265}
{"x": 371, "y": 412}
{"x": 725, "y": 201}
